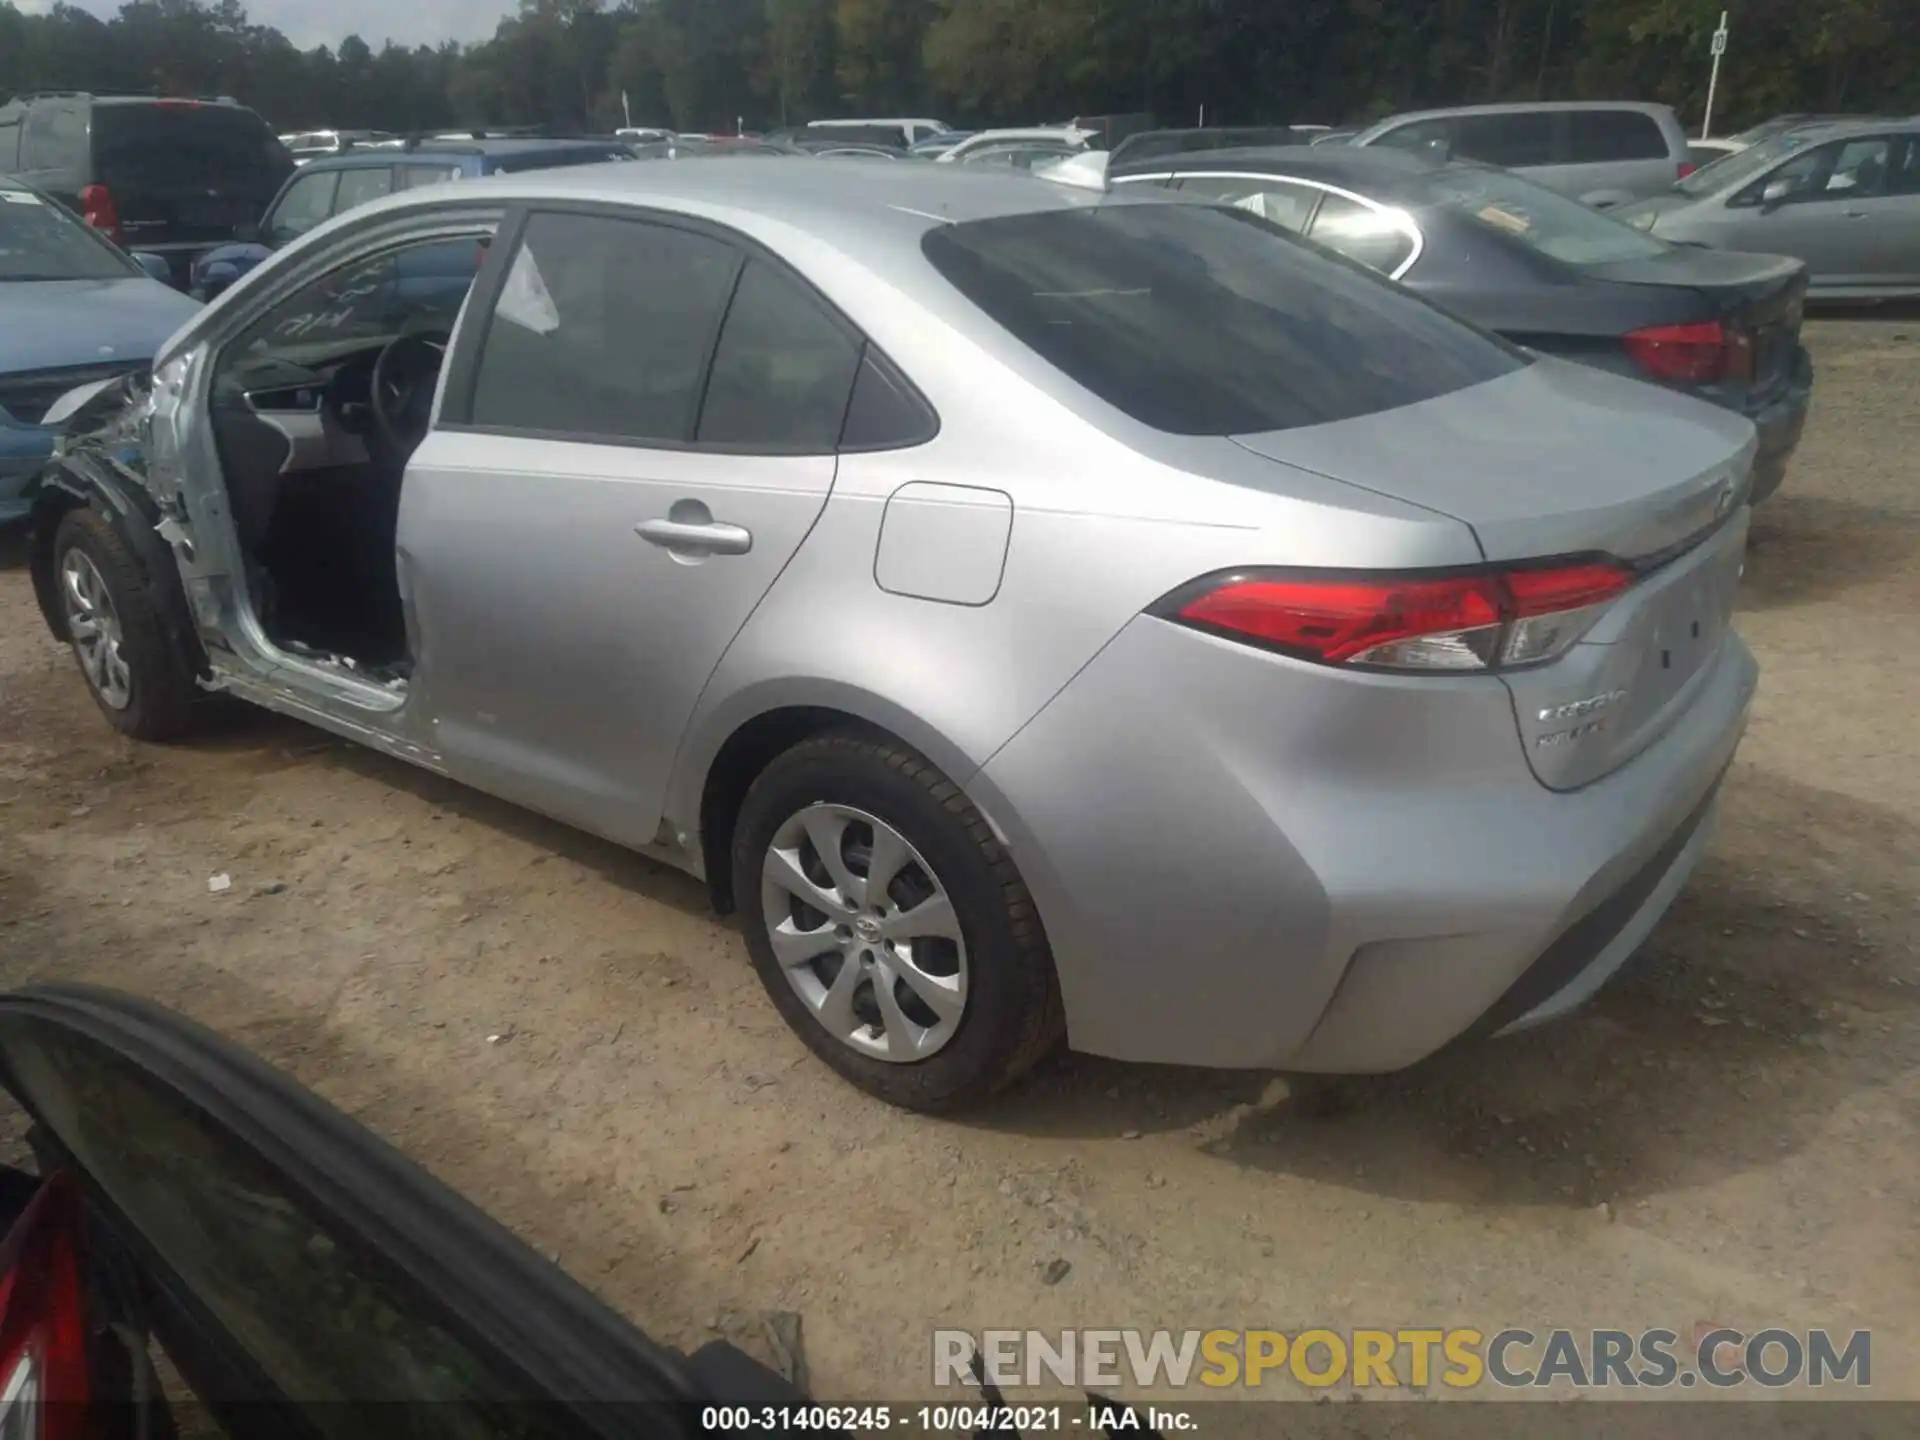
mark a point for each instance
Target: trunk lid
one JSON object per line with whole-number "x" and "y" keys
{"x": 1561, "y": 460}
{"x": 1763, "y": 295}
{"x": 1553, "y": 459}
{"x": 186, "y": 173}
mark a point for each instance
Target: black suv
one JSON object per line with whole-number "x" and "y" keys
{"x": 176, "y": 177}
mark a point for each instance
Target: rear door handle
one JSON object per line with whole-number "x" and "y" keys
{"x": 1856, "y": 214}
{"x": 710, "y": 537}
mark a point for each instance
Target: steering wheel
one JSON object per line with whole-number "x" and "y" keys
{"x": 404, "y": 377}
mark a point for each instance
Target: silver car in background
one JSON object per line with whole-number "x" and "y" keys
{"x": 1604, "y": 153}
{"x": 1043, "y": 613}
{"x": 1845, "y": 198}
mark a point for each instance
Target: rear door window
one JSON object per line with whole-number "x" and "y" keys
{"x": 604, "y": 330}
{"x": 1360, "y": 232}
{"x": 359, "y": 187}
{"x": 1522, "y": 138}
{"x": 1201, "y": 320}
{"x": 783, "y": 372}
{"x": 1600, "y": 135}
{"x": 1284, "y": 203}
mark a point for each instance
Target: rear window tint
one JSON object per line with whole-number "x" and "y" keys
{"x": 1201, "y": 320}
{"x": 1595, "y": 135}
{"x": 221, "y": 147}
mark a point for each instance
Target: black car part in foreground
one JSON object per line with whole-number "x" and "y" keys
{"x": 301, "y": 1277}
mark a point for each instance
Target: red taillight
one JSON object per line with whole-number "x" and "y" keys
{"x": 1483, "y": 621}
{"x": 101, "y": 211}
{"x": 1693, "y": 354}
{"x": 43, "y": 1332}
{"x": 1687, "y": 167}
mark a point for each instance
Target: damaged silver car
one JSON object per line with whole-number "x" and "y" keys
{"x": 1043, "y": 612}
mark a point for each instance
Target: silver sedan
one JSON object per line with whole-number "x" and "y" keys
{"x": 1044, "y": 614}
{"x": 1845, "y": 198}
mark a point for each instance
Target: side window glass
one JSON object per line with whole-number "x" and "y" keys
{"x": 1595, "y": 136}
{"x": 306, "y": 204}
{"x": 1286, "y": 205}
{"x": 1903, "y": 178}
{"x": 1860, "y": 170}
{"x": 412, "y": 177}
{"x": 1509, "y": 139}
{"x": 358, "y": 187}
{"x": 1362, "y": 233}
{"x": 886, "y": 413}
{"x": 1804, "y": 177}
{"x": 416, "y": 288}
{"x": 1416, "y": 136}
{"x": 783, "y": 371}
{"x": 604, "y": 329}
{"x": 324, "y": 1318}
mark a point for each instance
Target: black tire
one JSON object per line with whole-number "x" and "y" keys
{"x": 163, "y": 696}
{"x": 1013, "y": 1018}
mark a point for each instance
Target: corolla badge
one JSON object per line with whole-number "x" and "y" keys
{"x": 1582, "y": 709}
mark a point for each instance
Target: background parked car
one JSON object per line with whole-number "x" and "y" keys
{"x": 1071, "y": 136}
{"x": 900, "y": 134}
{"x": 163, "y": 176}
{"x": 1781, "y": 124}
{"x": 310, "y": 145}
{"x": 1541, "y": 269}
{"x": 934, "y": 146}
{"x": 73, "y": 309}
{"x": 1020, "y": 154}
{"x": 1600, "y": 153}
{"x": 1844, "y": 198}
{"x": 1147, "y": 144}
{"x": 330, "y": 187}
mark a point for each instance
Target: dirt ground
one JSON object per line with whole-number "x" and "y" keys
{"x": 1730, "y": 1134}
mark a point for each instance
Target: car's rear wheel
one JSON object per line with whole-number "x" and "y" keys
{"x": 890, "y": 927}
{"x": 136, "y": 677}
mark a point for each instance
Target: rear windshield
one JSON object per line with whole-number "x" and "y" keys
{"x": 1564, "y": 229}
{"x": 166, "y": 146}
{"x": 1203, "y": 320}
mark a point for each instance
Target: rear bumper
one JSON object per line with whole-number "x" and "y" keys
{"x": 1248, "y": 862}
{"x": 1781, "y": 422}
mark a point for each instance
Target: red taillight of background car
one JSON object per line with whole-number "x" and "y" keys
{"x": 1699, "y": 354}
{"x": 1687, "y": 167}
{"x": 100, "y": 210}
{"x": 43, "y": 1331}
{"x": 1485, "y": 620}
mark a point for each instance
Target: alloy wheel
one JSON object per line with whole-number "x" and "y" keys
{"x": 865, "y": 933}
{"x": 94, "y": 626}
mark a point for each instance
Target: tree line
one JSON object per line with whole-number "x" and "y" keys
{"x": 707, "y": 65}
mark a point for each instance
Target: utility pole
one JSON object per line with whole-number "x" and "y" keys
{"x": 1713, "y": 79}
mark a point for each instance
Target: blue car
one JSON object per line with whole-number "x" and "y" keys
{"x": 74, "y": 308}
{"x": 328, "y": 187}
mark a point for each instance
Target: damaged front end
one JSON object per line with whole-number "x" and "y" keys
{"x": 101, "y": 459}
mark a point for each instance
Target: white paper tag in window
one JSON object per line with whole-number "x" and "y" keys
{"x": 525, "y": 300}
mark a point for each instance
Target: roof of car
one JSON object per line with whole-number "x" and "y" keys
{"x": 853, "y": 205}
{"x": 430, "y": 150}
{"x": 1331, "y": 163}
{"x": 1526, "y": 107}
{"x": 1840, "y": 129}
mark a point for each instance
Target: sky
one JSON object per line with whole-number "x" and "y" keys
{"x": 327, "y": 22}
